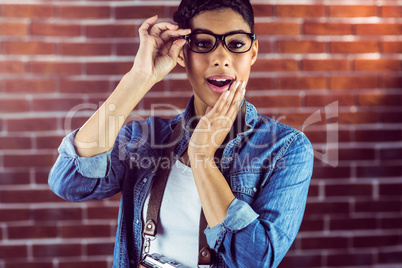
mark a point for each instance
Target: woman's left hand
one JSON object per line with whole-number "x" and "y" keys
{"x": 214, "y": 126}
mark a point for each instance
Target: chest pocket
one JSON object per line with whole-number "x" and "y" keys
{"x": 245, "y": 186}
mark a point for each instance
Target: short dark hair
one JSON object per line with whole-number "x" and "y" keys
{"x": 188, "y": 9}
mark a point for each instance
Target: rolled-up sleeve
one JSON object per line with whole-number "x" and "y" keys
{"x": 78, "y": 178}
{"x": 238, "y": 216}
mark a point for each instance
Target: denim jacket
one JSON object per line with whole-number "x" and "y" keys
{"x": 268, "y": 167}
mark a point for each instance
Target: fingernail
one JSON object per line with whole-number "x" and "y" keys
{"x": 244, "y": 91}
{"x": 243, "y": 85}
{"x": 226, "y": 93}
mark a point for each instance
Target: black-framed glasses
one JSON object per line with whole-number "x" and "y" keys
{"x": 237, "y": 42}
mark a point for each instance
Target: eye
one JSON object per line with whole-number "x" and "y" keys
{"x": 236, "y": 44}
{"x": 203, "y": 44}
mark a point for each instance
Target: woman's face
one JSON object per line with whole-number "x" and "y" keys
{"x": 205, "y": 71}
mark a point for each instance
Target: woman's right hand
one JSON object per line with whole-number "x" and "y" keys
{"x": 159, "y": 48}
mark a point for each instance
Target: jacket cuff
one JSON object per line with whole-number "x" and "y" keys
{"x": 91, "y": 167}
{"x": 238, "y": 216}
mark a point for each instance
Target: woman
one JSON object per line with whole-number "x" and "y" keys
{"x": 249, "y": 173}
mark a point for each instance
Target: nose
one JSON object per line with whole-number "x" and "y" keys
{"x": 220, "y": 56}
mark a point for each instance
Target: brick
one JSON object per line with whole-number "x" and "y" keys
{"x": 48, "y": 142}
{"x": 13, "y": 251}
{"x": 322, "y": 100}
{"x": 10, "y": 215}
{"x": 349, "y": 190}
{"x": 276, "y": 101}
{"x": 55, "y": 29}
{"x": 15, "y": 143}
{"x": 275, "y": 65}
{"x": 83, "y": 264}
{"x": 290, "y": 46}
{"x": 347, "y": 11}
{"x": 356, "y": 154}
{"x": 127, "y": 49}
{"x": 41, "y": 175}
{"x": 378, "y": 171}
{"x": 94, "y": 249}
{"x": 11, "y": 67}
{"x": 379, "y": 99}
{"x": 28, "y": 48}
{"x": 84, "y": 12}
{"x": 322, "y": 208}
{"x": 305, "y": 260}
{"x": 379, "y": 29}
{"x": 391, "y": 153}
{"x": 327, "y": 28}
{"x": 85, "y": 231}
{"x": 31, "y": 232}
{"x": 277, "y": 28}
{"x": 173, "y": 85}
{"x": 111, "y": 31}
{"x": 391, "y": 257}
{"x": 13, "y": 28}
{"x": 61, "y": 68}
{"x": 331, "y": 173}
{"x": 391, "y": 11}
{"x": 391, "y": 223}
{"x": 84, "y": 86}
{"x": 136, "y": 12}
{"x": 390, "y": 189}
{"x": 378, "y": 206}
{"x": 60, "y": 250}
{"x": 29, "y": 85}
{"x": 377, "y": 65}
{"x": 378, "y": 135}
{"x": 355, "y": 82}
{"x": 26, "y": 196}
{"x": 292, "y": 82}
{"x": 376, "y": 241}
{"x": 28, "y": 160}
{"x": 354, "y": 47}
{"x": 313, "y": 191}
{"x": 324, "y": 242}
{"x": 27, "y": 11}
{"x": 30, "y": 264}
{"x": 312, "y": 225}
{"x": 263, "y": 10}
{"x": 391, "y": 47}
{"x": 52, "y": 104}
{"x": 57, "y": 214}
{"x": 265, "y": 46}
{"x": 355, "y": 224}
{"x": 104, "y": 213}
{"x": 326, "y": 65}
{"x": 350, "y": 259}
{"x": 14, "y": 178}
{"x": 13, "y": 106}
{"x": 33, "y": 124}
{"x": 391, "y": 117}
{"x": 322, "y": 136}
{"x": 263, "y": 83}
{"x": 85, "y": 49}
{"x": 301, "y": 11}
{"x": 109, "y": 68}
{"x": 154, "y": 103}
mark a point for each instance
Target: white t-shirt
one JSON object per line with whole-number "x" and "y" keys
{"x": 178, "y": 225}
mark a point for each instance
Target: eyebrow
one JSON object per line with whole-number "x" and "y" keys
{"x": 202, "y": 30}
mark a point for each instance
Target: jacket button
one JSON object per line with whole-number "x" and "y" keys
{"x": 255, "y": 189}
{"x": 144, "y": 180}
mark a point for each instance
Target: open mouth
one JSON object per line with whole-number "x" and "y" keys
{"x": 219, "y": 82}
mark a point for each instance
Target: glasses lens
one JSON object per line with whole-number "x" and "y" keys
{"x": 201, "y": 42}
{"x": 238, "y": 43}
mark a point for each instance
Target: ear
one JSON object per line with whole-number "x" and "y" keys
{"x": 254, "y": 51}
{"x": 180, "y": 58}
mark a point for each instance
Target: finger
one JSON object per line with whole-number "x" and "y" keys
{"x": 166, "y": 36}
{"x": 143, "y": 30}
{"x": 237, "y": 100}
{"x": 160, "y": 27}
{"x": 174, "y": 50}
{"x": 223, "y": 103}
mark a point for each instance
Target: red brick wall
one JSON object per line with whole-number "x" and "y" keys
{"x": 333, "y": 70}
